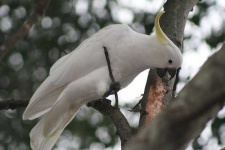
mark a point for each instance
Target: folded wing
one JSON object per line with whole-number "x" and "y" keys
{"x": 88, "y": 57}
{"x": 46, "y": 132}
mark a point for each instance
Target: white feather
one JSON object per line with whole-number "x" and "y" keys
{"x": 46, "y": 132}
{"x": 42, "y": 100}
{"x": 88, "y": 57}
{"x": 58, "y": 63}
{"x": 82, "y": 76}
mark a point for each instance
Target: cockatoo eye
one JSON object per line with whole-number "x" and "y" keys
{"x": 170, "y": 61}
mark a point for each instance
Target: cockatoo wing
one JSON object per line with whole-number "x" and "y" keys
{"x": 88, "y": 57}
{"x": 58, "y": 63}
{"x": 48, "y": 92}
{"x": 46, "y": 132}
{"x": 42, "y": 100}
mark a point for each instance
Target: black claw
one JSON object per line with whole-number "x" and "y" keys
{"x": 114, "y": 87}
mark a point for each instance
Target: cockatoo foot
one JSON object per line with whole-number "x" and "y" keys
{"x": 114, "y": 87}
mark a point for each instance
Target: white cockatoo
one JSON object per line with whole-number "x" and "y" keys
{"x": 83, "y": 75}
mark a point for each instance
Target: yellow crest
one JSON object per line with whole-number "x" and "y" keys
{"x": 159, "y": 33}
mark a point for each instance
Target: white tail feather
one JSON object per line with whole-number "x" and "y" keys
{"x": 45, "y": 134}
{"x": 42, "y": 100}
{"x": 39, "y": 141}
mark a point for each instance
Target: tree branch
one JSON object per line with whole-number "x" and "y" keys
{"x": 152, "y": 103}
{"x": 23, "y": 31}
{"x": 13, "y": 104}
{"x": 160, "y": 92}
{"x": 124, "y": 131}
{"x": 185, "y": 118}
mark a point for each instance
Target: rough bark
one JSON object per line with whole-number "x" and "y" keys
{"x": 13, "y": 104}
{"x": 152, "y": 103}
{"x": 124, "y": 130}
{"x": 186, "y": 117}
{"x": 158, "y": 92}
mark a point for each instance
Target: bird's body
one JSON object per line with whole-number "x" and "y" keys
{"x": 83, "y": 76}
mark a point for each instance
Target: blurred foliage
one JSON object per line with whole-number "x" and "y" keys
{"x": 65, "y": 25}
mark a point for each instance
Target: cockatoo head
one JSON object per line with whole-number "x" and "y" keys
{"x": 172, "y": 57}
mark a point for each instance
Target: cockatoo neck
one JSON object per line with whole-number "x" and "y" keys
{"x": 145, "y": 50}
{"x": 136, "y": 56}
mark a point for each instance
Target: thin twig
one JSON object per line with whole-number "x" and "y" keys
{"x": 111, "y": 74}
{"x": 13, "y": 104}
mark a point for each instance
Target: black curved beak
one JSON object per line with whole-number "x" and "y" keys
{"x": 162, "y": 72}
{"x": 172, "y": 73}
